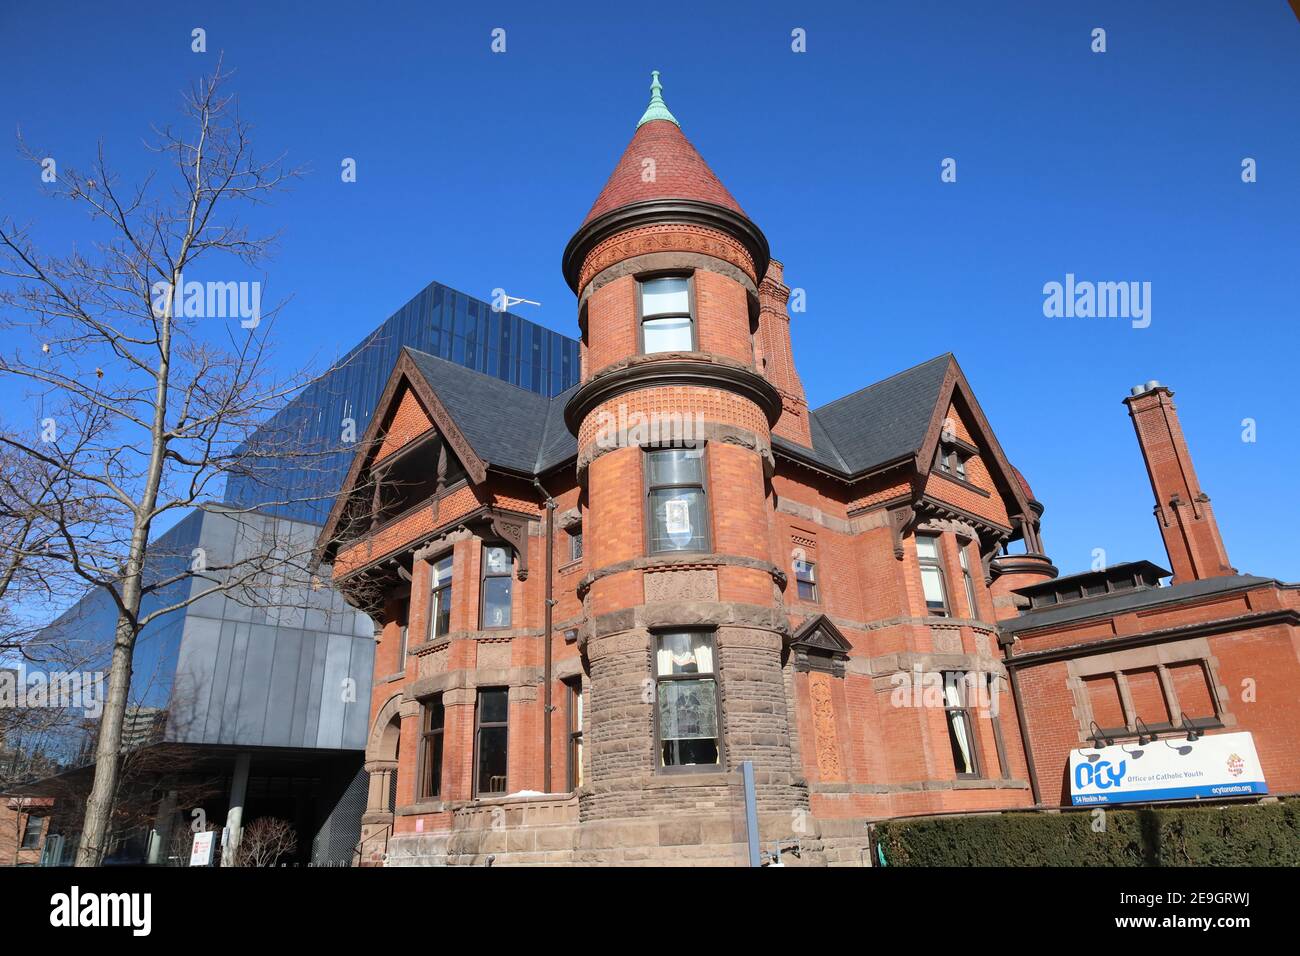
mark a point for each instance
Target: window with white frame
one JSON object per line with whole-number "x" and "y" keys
{"x": 932, "y": 577}
{"x": 963, "y": 551}
{"x": 666, "y": 320}
{"x": 961, "y": 729}
{"x": 440, "y": 598}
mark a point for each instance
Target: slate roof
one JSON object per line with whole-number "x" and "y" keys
{"x": 558, "y": 444}
{"x": 680, "y": 173}
{"x": 877, "y": 424}
{"x": 1121, "y": 601}
{"x": 503, "y": 423}
{"x": 513, "y": 428}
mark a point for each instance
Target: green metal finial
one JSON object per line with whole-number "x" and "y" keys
{"x": 657, "y": 110}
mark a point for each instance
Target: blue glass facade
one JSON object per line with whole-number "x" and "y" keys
{"x": 440, "y": 321}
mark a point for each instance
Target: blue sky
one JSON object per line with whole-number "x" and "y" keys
{"x": 475, "y": 168}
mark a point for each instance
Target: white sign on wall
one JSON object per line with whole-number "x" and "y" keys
{"x": 201, "y": 851}
{"x": 1170, "y": 768}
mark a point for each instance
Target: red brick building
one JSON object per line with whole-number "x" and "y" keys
{"x": 597, "y": 609}
{"x": 24, "y": 822}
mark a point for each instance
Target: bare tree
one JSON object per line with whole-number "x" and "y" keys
{"x": 34, "y": 501}
{"x": 149, "y": 398}
{"x": 265, "y": 842}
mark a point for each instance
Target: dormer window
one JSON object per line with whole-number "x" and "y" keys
{"x": 951, "y": 460}
{"x": 667, "y": 324}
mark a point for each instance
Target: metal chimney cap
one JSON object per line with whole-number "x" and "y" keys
{"x": 1137, "y": 390}
{"x": 1153, "y": 384}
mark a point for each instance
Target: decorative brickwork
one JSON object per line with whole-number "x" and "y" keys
{"x": 829, "y": 592}
{"x": 666, "y": 238}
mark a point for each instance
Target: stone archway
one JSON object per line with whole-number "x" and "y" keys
{"x": 381, "y": 764}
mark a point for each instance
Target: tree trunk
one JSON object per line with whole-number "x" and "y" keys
{"x": 108, "y": 749}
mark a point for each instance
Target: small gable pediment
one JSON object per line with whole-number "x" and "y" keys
{"x": 818, "y": 645}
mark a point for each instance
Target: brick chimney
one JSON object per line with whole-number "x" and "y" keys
{"x": 776, "y": 358}
{"x": 1182, "y": 510}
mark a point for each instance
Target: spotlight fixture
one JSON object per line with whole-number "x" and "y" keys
{"x": 1193, "y": 733}
{"x": 1145, "y": 734}
{"x": 1098, "y": 739}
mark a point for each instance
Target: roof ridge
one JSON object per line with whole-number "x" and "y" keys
{"x": 830, "y": 440}
{"x": 546, "y": 431}
{"x": 890, "y": 378}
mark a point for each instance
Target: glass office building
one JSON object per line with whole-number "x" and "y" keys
{"x": 440, "y": 321}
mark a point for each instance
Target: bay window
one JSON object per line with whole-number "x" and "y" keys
{"x": 932, "y": 577}
{"x": 666, "y": 321}
{"x": 677, "y": 506}
{"x": 686, "y": 708}
{"x": 963, "y": 552}
{"x": 961, "y": 729}
{"x": 440, "y": 599}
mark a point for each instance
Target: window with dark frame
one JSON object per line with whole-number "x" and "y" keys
{"x": 805, "y": 579}
{"x": 666, "y": 321}
{"x": 686, "y": 710}
{"x": 951, "y": 460}
{"x": 932, "y": 576}
{"x": 403, "y": 620}
{"x": 575, "y": 544}
{"x": 32, "y": 832}
{"x": 961, "y": 729}
{"x": 440, "y": 598}
{"x": 491, "y": 737}
{"x": 496, "y": 587}
{"x": 573, "y": 691}
{"x": 963, "y": 552}
{"x": 431, "y": 740}
{"x": 676, "y": 502}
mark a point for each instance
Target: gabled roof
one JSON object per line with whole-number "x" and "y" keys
{"x": 899, "y": 421}
{"x": 882, "y": 422}
{"x": 493, "y": 424}
{"x": 488, "y": 424}
{"x": 503, "y": 423}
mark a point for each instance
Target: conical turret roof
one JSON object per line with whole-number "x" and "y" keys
{"x": 660, "y": 163}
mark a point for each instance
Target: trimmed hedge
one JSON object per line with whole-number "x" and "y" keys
{"x": 1266, "y": 834}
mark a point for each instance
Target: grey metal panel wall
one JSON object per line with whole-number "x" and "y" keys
{"x": 338, "y": 660}
{"x": 357, "y": 726}
{"x": 196, "y": 669}
{"x": 256, "y": 677}
{"x": 257, "y": 685}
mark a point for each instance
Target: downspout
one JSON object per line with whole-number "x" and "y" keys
{"x": 546, "y": 635}
{"x": 1014, "y": 677}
